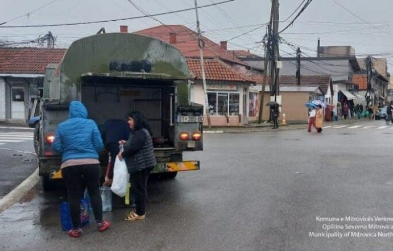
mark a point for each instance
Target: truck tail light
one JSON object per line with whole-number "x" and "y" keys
{"x": 184, "y": 136}
{"x": 196, "y": 136}
{"x": 50, "y": 137}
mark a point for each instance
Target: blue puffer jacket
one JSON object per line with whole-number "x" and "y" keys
{"x": 77, "y": 137}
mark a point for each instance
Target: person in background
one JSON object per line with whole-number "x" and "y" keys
{"x": 389, "y": 112}
{"x": 311, "y": 120}
{"x": 370, "y": 112}
{"x": 113, "y": 131}
{"x": 319, "y": 119}
{"x": 275, "y": 113}
{"x": 139, "y": 156}
{"x": 345, "y": 110}
{"x": 78, "y": 140}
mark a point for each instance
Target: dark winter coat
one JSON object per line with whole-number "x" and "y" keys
{"x": 139, "y": 151}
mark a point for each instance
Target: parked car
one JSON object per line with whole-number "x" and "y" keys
{"x": 33, "y": 121}
{"x": 381, "y": 113}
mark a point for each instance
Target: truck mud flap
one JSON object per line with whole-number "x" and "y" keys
{"x": 182, "y": 166}
{"x": 55, "y": 175}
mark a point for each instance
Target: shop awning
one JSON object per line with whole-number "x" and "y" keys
{"x": 347, "y": 94}
{"x": 359, "y": 97}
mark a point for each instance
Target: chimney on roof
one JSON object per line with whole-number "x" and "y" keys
{"x": 172, "y": 38}
{"x": 123, "y": 28}
{"x": 224, "y": 45}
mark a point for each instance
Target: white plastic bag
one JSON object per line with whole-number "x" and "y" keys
{"x": 120, "y": 178}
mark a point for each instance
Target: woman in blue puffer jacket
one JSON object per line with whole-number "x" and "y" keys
{"x": 79, "y": 141}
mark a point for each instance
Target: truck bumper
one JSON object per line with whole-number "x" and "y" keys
{"x": 176, "y": 166}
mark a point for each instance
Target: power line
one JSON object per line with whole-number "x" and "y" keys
{"x": 112, "y": 20}
{"x": 300, "y": 12}
{"x": 300, "y": 5}
{"x": 28, "y": 13}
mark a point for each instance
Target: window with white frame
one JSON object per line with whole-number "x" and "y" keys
{"x": 223, "y": 103}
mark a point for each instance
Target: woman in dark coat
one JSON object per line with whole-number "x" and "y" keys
{"x": 140, "y": 160}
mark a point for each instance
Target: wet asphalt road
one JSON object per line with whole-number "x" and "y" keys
{"x": 17, "y": 159}
{"x": 255, "y": 191}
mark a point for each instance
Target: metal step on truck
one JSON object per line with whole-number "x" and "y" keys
{"x": 113, "y": 74}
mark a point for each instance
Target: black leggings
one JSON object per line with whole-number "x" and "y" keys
{"x": 76, "y": 178}
{"x": 138, "y": 182}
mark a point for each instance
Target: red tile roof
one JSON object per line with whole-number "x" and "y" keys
{"x": 215, "y": 70}
{"x": 25, "y": 60}
{"x": 243, "y": 54}
{"x": 187, "y": 42}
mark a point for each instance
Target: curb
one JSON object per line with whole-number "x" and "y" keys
{"x": 20, "y": 191}
{"x": 16, "y": 127}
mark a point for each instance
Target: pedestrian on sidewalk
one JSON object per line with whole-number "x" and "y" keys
{"x": 311, "y": 120}
{"x": 319, "y": 119}
{"x": 345, "y": 110}
{"x": 275, "y": 113}
{"x": 370, "y": 113}
{"x": 79, "y": 141}
{"x": 389, "y": 112}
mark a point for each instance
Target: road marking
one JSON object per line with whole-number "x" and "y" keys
{"x": 15, "y": 137}
{"x": 367, "y": 127}
{"x": 353, "y": 127}
{"x": 18, "y": 137}
{"x": 326, "y": 127}
{"x": 341, "y": 126}
{"x": 381, "y": 127}
{"x": 10, "y": 140}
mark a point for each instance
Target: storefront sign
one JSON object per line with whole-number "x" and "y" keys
{"x": 222, "y": 87}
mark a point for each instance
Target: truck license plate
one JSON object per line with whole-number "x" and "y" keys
{"x": 190, "y": 119}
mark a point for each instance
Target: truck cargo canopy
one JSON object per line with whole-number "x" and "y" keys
{"x": 119, "y": 55}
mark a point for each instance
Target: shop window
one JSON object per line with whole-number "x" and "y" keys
{"x": 223, "y": 103}
{"x": 18, "y": 94}
{"x": 212, "y": 100}
{"x": 233, "y": 104}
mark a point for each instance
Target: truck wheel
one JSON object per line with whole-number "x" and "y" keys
{"x": 170, "y": 175}
{"x": 47, "y": 184}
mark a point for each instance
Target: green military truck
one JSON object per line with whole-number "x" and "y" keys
{"x": 113, "y": 74}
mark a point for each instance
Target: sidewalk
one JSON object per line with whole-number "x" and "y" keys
{"x": 266, "y": 127}
{"x": 19, "y": 124}
{"x": 254, "y": 127}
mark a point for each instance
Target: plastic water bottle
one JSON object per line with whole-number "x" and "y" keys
{"x": 106, "y": 196}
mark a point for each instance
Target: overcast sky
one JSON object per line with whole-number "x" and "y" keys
{"x": 365, "y": 25}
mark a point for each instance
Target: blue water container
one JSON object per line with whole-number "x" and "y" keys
{"x": 87, "y": 198}
{"x": 65, "y": 216}
{"x": 106, "y": 196}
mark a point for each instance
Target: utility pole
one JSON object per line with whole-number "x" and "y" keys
{"x": 298, "y": 75}
{"x": 369, "y": 77}
{"x": 201, "y": 44}
{"x": 262, "y": 92}
{"x": 274, "y": 71}
{"x": 271, "y": 58}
